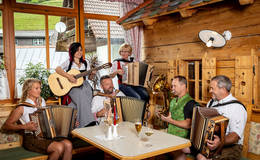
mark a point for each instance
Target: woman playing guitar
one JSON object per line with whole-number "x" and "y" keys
{"x": 81, "y": 96}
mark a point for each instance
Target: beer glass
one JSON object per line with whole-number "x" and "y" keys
{"x": 138, "y": 126}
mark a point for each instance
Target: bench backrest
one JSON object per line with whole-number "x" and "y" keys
{"x": 8, "y": 139}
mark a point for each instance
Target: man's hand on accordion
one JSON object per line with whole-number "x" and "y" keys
{"x": 31, "y": 126}
{"x": 212, "y": 145}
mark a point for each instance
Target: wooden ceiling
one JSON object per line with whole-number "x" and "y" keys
{"x": 148, "y": 12}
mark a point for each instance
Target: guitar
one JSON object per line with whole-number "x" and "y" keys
{"x": 60, "y": 85}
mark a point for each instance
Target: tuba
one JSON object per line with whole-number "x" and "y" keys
{"x": 159, "y": 87}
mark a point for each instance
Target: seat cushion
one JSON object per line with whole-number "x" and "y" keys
{"x": 17, "y": 153}
{"x": 254, "y": 138}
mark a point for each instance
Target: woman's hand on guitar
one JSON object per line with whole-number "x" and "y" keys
{"x": 31, "y": 126}
{"x": 212, "y": 145}
{"x": 71, "y": 78}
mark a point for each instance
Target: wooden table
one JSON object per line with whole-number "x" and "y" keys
{"x": 130, "y": 146}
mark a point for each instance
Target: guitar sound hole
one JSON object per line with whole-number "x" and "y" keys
{"x": 59, "y": 83}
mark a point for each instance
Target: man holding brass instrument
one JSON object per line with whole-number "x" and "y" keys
{"x": 228, "y": 106}
{"x": 108, "y": 92}
{"x": 180, "y": 113}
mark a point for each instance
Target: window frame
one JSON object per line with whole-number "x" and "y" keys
{"x": 9, "y": 7}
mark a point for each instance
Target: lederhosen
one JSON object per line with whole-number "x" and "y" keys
{"x": 33, "y": 143}
{"x": 232, "y": 151}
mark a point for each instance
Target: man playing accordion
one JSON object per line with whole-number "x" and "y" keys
{"x": 228, "y": 106}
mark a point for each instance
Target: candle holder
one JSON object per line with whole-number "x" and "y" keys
{"x": 115, "y": 134}
{"x": 109, "y": 135}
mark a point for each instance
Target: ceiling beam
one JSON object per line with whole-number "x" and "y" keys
{"x": 187, "y": 12}
{"x": 245, "y": 2}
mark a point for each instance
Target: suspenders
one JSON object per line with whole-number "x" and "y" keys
{"x": 226, "y": 103}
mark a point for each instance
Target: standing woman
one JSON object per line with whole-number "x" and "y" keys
{"x": 31, "y": 94}
{"x": 81, "y": 96}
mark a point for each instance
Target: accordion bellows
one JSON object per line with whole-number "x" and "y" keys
{"x": 204, "y": 124}
{"x": 138, "y": 74}
{"x": 54, "y": 121}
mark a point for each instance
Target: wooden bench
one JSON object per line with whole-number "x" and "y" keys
{"x": 11, "y": 143}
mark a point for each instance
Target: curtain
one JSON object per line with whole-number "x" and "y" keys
{"x": 132, "y": 36}
{"x": 4, "y": 91}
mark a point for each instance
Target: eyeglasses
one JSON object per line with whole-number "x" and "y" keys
{"x": 125, "y": 51}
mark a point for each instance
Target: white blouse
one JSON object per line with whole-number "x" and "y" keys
{"x": 28, "y": 110}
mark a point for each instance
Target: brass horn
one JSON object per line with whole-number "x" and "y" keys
{"x": 160, "y": 84}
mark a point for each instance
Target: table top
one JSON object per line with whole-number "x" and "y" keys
{"x": 129, "y": 145}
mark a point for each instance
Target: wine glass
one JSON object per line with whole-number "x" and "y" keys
{"x": 148, "y": 132}
{"x": 138, "y": 126}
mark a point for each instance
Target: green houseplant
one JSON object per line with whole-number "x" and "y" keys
{"x": 38, "y": 71}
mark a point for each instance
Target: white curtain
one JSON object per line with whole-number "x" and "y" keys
{"x": 4, "y": 86}
{"x": 133, "y": 36}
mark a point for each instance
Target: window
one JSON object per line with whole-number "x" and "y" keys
{"x": 55, "y": 3}
{"x": 29, "y": 31}
{"x": 96, "y": 41}
{"x": 31, "y": 44}
{"x": 38, "y": 42}
{"x": 195, "y": 79}
{"x": 60, "y": 37}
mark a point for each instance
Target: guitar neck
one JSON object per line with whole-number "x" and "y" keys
{"x": 85, "y": 73}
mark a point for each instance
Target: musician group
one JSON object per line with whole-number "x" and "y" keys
{"x": 91, "y": 111}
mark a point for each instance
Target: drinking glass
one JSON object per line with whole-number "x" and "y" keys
{"x": 148, "y": 132}
{"x": 138, "y": 126}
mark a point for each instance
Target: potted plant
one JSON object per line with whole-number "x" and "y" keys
{"x": 38, "y": 71}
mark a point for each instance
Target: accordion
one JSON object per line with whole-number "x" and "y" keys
{"x": 54, "y": 121}
{"x": 205, "y": 123}
{"x": 137, "y": 74}
{"x": 129, "y": 108}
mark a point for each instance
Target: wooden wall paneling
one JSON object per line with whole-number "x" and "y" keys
{"x": 182, "y": 68}
{"x": 222, "y": 16}
{"x": 235, "y": 47}
{"x": 244, "y": 79}
{"x": 208, "y": 72}
{"x": 172, "y": 70}
{"x": 227, "y": 67}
